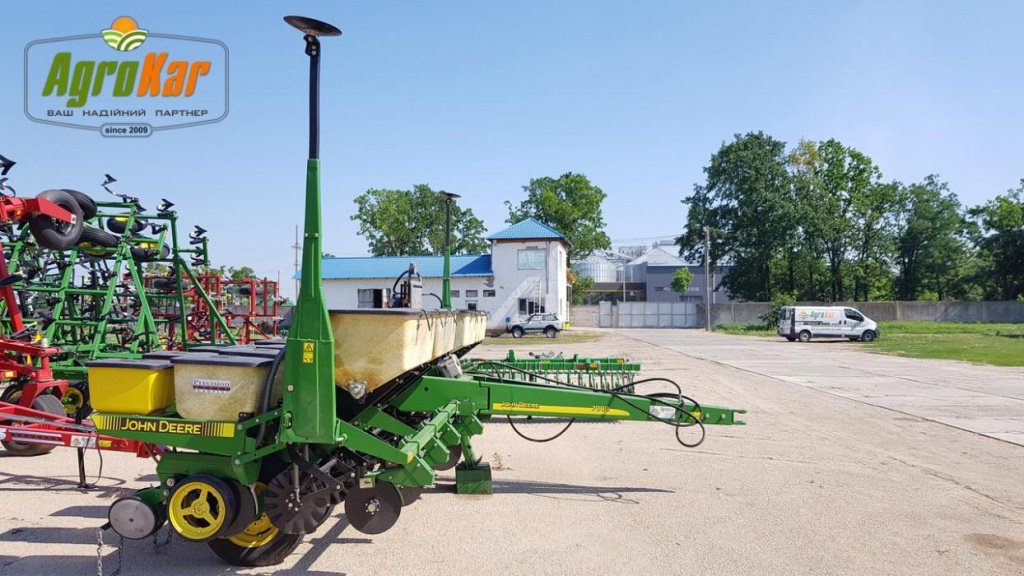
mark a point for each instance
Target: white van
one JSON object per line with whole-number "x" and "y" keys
{"x": 805, "y": 322}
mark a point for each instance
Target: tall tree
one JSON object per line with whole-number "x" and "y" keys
{"x": 1001, "y": 241}
{"x": 842, "y": 205}
{"x": 412, "y": 223}
{"x": 747, "y": 201}
{"x": 930, "y": 250}
{"x": 570, "y": 204}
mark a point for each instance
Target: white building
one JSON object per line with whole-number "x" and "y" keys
{"x": 524, "y": 273}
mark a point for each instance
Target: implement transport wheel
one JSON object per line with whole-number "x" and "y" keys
{"x": 202, "y": 507}
{"x": 44, "y": 403}
{"x": 54, "y": 234}
{"x": 96, "y": 237}
{"x": 87, "y": 204}
{"x": 374, "y": 510}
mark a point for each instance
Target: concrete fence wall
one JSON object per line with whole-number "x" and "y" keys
{"x": 583, "y": 316}
{"x": 888, "y": 311}
{"x": 744, "y": 312}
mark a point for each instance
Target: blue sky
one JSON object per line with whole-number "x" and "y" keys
{"x": 478, "y": 97}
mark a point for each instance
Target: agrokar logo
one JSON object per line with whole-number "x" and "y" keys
{"x": 125, "y": 34}
{"x": 149, "y": 82}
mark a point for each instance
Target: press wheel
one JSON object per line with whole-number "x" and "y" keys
{"x": 374, "y": 510}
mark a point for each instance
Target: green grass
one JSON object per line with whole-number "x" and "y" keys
{"x": 998, "y": 344}
{"x": 564, "y": 337}
{"x": 745, "y": 329}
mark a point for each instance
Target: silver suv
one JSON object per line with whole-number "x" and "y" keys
{"x": 549, "y": 324}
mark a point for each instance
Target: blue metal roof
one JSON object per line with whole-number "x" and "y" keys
{"x": 392, "y": 266}
{"x": 527, "y": 229}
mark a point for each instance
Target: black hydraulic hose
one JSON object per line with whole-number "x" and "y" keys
{"x": 397, "y": 280}
{"x": 694, "y": 421}
{"x": 267, "y": 392}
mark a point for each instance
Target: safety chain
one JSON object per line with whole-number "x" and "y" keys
{"x": 167, "y": 542}
{"x": 99, "y": 554}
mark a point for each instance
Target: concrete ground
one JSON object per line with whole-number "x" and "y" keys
{"x": 911, "y": 469}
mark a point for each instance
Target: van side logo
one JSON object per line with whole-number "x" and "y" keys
{"x": 126, "y": 81}
{"x": 125, "y": 34}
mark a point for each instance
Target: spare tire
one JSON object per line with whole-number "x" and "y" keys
{"x": 96, "y": 237}
{"x": 117, "y": 224}
{"x": 52, "y": 233}
{"x": 85, "y": 201}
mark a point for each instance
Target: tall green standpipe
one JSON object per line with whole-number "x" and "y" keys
{"x": 446, "y": 281}
{"x": 309, "y": 411}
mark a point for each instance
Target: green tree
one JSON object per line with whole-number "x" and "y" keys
{"x": 931, "y": 253}
{"x": 681, "y": 280}
{"x": 240, "y": 273}
{"x": 580, "y": 286}
{"x": 570, "y": 204}
{"x": 412, "y": 223}
{"x": 747, "y": 201}
{"x": 1001, "y": 241}
{"x": 843, "y": 206}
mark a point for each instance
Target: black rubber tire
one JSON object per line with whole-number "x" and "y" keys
{"x": 791, "y": 338}
{"x": 270, "y": 554}
{"x": 117, "y": 225}
{"x": 165, "y": 284}
{"x": 85, "y": 201}
{"x": 55, "y": 235}
{"x": 550, "y": 332}
{"x": 517, "y": 332}
{"x": 147, "y": 255}
{"x": 97, "y": 237}
{"x": 868, "y": 336}
{"x": 44, "y": 403}
{"x": 804, "y": 336}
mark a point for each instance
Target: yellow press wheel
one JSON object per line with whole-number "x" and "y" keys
{"x": 202, "y": 507}
{"x": 259, "y": 544}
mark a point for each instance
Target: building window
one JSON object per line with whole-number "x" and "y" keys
{"x": 471, "y": 305}
{"x": 527, "y": 306}
{"x": 472, "y": 293}
{"x": 488, "y": 293}
{"x": 531, "y": 259}
{"x": 455, "y": 293}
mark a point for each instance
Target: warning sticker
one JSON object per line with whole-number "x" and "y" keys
{"x": 83, "y": 441}
{"x": 307, "y": 352}
{"x": 211, "y": 386}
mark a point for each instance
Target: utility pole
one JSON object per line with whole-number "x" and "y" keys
{"x": 446, "y": 279}
{"x": 707, "y": 278}
{"x": 296, "y": 248}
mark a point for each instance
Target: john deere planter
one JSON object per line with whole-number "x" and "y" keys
{"x": 357, "y": 408}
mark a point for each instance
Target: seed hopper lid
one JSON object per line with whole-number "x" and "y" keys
{"x": 143, "y": 364}
{"x": 263, "y": 352}
{"x": 223, "y": 360}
